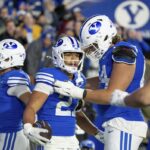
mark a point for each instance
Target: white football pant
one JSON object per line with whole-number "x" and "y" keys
{"x": 119, "y": 140}
{"x": 14, "y": 141}
{"x": 61, "y": 143}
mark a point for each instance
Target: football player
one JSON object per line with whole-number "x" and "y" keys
{"x": 61, "y": 112}
{"x": 14, "y": 95}
{"x": 121, "y": 66}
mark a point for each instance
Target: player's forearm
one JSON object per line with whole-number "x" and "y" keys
{"x": 85, "y": 124}
{"x": 146, "y": 112}
{"x": 25, "y": 97}
{"x": 139, "y": 98}
{"x": 29, "y": 115}
{"x": 132, "y": 101}
{"x": 22, "y": 92}
{"x": 98, "y": 96}
{"x": 92, "y": 83}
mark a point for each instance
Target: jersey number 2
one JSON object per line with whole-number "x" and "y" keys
{"x": 61, "y": 112}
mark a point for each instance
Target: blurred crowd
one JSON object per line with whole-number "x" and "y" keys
{"x": 38, "y": 23}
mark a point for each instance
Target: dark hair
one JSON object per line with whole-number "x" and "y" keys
{"x": 117, "y": 38}
{"x": 8, "y": 20}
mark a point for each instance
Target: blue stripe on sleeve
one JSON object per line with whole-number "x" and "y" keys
{"x": 43, "y": 73}
{"x": 45, "y": 78}
{"x": 13, "y": 81}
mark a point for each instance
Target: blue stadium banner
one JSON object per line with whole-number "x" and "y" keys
{"x": 131, "y": 14}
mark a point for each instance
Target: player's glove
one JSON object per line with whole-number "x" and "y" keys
{"x": 33, "y": 134}
{"x": 100, "y": 136}
{"x": 117, "y": 98}
{"x": 69, "y": 89}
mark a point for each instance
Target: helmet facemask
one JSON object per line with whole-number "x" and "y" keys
{"x": 96, "y": 50}
{"x": 72, "y": 66}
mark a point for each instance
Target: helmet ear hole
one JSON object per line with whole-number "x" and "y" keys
{"x": 7, "y": 59}
{"x": 100, "y": 19}
{"x": 62, "y": 55}
{"x": 12, "y": 54}
{"x": 106, "y": 37}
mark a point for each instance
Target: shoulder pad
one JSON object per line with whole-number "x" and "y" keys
{"x": 124, "y": 54}
{"x": 127, "y": 44}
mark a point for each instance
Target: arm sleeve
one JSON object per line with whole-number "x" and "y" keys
{"x": 44, "y": 88}
{"x": 18, "y": 80}
{"x": 44, "y": 82}
{"x": 18, "y": 90}
{"x": 46, "y": 78}
{"x": 18, "y": 85}
{"x": 124, "y": 54}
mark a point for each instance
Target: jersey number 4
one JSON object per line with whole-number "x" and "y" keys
{"x": 103, "y": 76}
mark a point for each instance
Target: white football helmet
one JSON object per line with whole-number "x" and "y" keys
{"x": 96, "y": 36}
{"x": 12, "y": 54}
{"x": 67, "y": 44}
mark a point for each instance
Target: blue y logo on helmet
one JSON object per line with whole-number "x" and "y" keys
{"x": 10, "y": 45}
{"x": 59, "y": 42}
{"x": 94, "y": 27}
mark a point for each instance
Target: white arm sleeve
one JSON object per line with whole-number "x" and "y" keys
{"x": 117, "y": 98}
{"x": 18, "y": 90}
{"x": 44, "y": 88}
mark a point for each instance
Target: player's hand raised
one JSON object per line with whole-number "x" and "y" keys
{"x": 68, "y": 89}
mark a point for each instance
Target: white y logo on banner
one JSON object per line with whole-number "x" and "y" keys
{"x": 132, "y": 14}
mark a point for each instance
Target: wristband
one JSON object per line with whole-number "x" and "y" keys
{"x": 84, "y": 93}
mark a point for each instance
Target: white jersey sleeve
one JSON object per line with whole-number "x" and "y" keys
{"x": 18, "y": 84}
{"x": 44, "y": 83}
